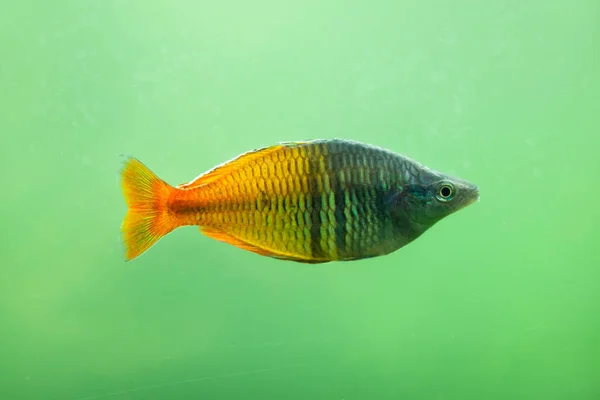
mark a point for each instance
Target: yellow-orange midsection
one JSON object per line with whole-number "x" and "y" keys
{"x": 268, "y": 202}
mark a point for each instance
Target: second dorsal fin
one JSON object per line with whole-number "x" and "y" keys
{"x": 228, "y": 166}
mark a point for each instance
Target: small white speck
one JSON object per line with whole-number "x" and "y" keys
{"x": 458, "y": 108}
{"x": 86, "y": 160}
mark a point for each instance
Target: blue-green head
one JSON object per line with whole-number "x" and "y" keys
{"x": 428, "y": 199}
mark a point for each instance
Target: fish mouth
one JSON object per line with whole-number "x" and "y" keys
{"x": 470, "y": 191}
{"x": 473, "y": 196}
{"x": 469, "y": 197}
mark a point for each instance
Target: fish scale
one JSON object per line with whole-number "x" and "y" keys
{"x": 321, "y": 192}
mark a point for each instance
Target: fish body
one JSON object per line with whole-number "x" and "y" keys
{"x": 313, "y": 202}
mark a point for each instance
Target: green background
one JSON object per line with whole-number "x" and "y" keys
{"x": 499, "y": 301}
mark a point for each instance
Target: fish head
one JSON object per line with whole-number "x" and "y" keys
{"x": 434, "y": 197}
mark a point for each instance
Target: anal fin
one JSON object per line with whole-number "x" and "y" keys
{"x": 226, "y": 237}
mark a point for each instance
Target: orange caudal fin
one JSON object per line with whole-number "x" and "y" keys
{"x": 148, "y": 218}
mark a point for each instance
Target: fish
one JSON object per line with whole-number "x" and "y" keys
{"x": 312, "y": 201}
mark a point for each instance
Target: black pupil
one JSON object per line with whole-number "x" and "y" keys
{"x": 445, "y": 191}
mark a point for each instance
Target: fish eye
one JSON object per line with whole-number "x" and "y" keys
{"x": 445, "y": 192}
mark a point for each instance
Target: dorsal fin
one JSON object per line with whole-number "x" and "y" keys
{"x": 215, "y": 173}
{"x": 228, "y": 166}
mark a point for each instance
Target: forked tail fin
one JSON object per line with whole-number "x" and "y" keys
{"x": 148, "y": 218}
